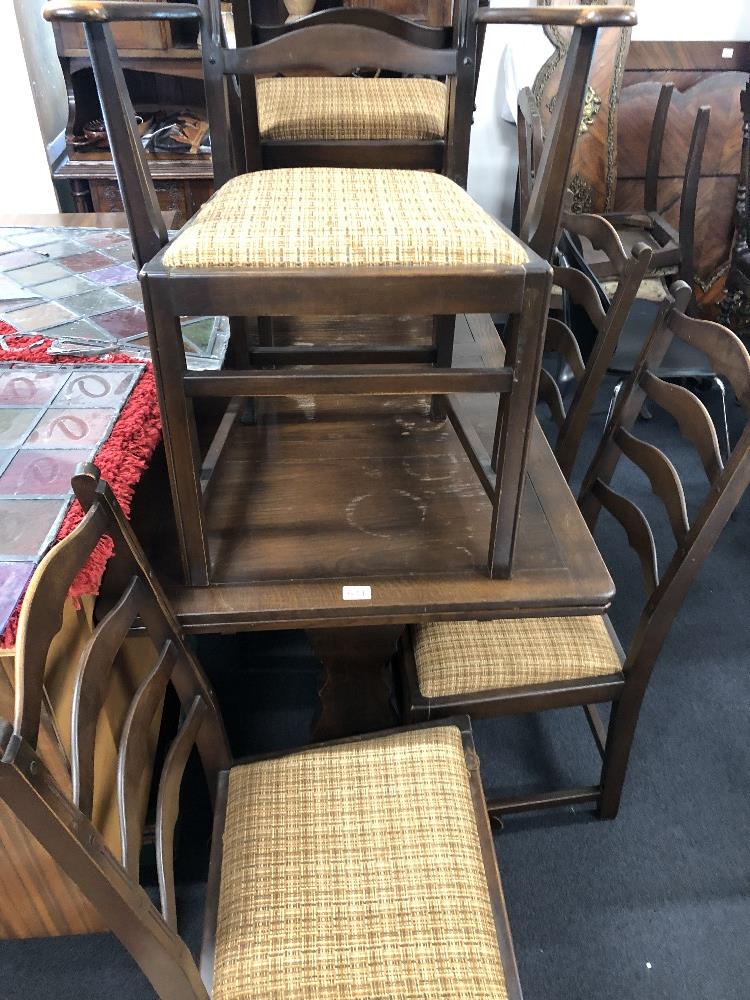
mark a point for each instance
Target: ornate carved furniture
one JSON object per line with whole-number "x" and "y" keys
{"x": 378, "y": 831}
{"x": 581, "y": 293}
{"x": 367, "y": 260}
{"x": 735, "y": 306}
{"x": 532, "y": 664}
{"x": 593, "y": 172}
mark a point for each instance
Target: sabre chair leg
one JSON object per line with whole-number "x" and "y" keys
{"x": 443, "y": 333}
{"x": 180, "y": 436}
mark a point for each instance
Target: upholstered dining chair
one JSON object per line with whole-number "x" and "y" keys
{"x": 366, "y": 120}
{"x": 533, "y": 664}
{"x": 333, "y": 869}
{"x": 322, "y": 242}
{"x": 579, "y": 291}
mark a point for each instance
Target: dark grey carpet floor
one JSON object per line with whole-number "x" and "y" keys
{"x": 653, "y": 905}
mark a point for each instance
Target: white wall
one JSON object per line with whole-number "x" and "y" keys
{"x": 493, "y": 160}
{"x": 25, "y": 184}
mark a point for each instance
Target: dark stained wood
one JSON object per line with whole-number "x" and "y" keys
{"x": 630, "y": 270}
{"x": 664, "y": 595}
{"x": 355, "y": 695}
{"x": 46, "y": 812}
{"x": 522, "y": 291}
{"x": 701, "y": 77}
{"x": 390, "y": 501}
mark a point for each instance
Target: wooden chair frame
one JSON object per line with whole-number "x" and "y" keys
{"x": 65, "y": 828}
{"x": 727, "y": 482}
{"x": 521, "y": 291}
{"x": 449, "y": 155}
{"x": 674, "y": 248}
{"x": 630, "y": 270}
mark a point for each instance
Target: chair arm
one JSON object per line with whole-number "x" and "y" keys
{"x": 571, "y": 17}
{"x": 109, "y": 11}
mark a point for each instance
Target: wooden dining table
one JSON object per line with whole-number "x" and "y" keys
{"x": 353, "y": 518}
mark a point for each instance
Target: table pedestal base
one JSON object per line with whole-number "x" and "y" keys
{"x": 357, "y": 691}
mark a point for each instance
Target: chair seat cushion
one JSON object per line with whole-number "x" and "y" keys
{"x": 326, "y": 108}
{"x": 456, "y": 658}
{"x": 356, "y": 871}
{"x": 309, "y": 217}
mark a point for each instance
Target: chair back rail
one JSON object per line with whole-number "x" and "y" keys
{"x": 423, "y": 35}
{"x": 337, "y": 42}
{"x": 64, "y": 826}
{"x": 655, "y": 146}
{"x": 689, "y": 197}
{"x": 726, "y": 483}
{"x": 580, "y": 289}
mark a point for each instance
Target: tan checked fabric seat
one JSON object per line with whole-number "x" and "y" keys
{"x": 355, "y": 871}
{"x": 303, "y": 217}
{"x": 461, "y": 657}
{"x": 329, "y": 108}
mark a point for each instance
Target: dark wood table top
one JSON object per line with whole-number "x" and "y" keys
{"x": 322, "y": 494}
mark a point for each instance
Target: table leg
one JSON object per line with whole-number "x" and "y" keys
{"x": 356, "y": 693}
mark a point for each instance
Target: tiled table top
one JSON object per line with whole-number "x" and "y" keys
{"x": 80, "y": 288}
{"x": 51, "y": 418}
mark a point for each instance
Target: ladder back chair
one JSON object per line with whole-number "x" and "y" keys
{"x": 321, "y": 242}
{"x": 333, "y": 868}
{"x": 673, "y": 249}
{"x": 608, "y": 323}
{"x": 413, "y": 122}
{"x": 532, "y": 664}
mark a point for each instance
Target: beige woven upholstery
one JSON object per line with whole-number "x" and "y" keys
{"x": 327, "y": 217}
{"x": 460, "y": 657}
{"x": 355, "y": 872}
{"x": 326, "y": 108}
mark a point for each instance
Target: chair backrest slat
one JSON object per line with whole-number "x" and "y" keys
{"x": 167, "y": 803}
{"x": 62, "y": 824}
{"x": 692, "y": 418}
{"x": 726, "y": 484}
{"x": 89, "y": 693}
{"x": 725, "y": 349}
{"x": 582, "y": 292}
{"x": 423, "y": 35}
{"x": 560, "y": 339}
{"x": 41, "y": 617}
{"x": 665, "y": 482}
{"x": 638, "y": 530}
{"x": 133, "y": 757}
{"x": 339, "y": 49}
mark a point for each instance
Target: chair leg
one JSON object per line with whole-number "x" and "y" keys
{"x": 443, "y": 333}
{"x": 513, "y": 428}
{"x": 180, "y": 437}
{"x": 620, "y": 733}
{"x": 723, "y": 393}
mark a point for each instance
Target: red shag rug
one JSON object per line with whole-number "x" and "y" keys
{"x": 122, "y": 459}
